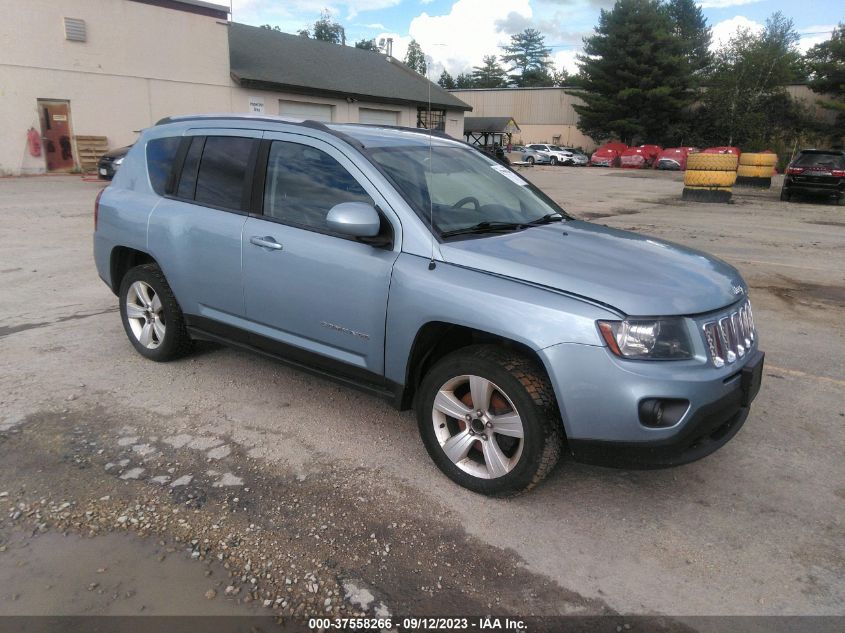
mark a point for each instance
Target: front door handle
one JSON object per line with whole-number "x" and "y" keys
{"x": 265, "y": 242}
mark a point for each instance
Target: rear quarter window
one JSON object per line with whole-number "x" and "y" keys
{"x": 161, "y": 153}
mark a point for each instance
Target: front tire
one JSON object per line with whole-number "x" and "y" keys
{"x": 151, "y": 316}
{"x": 489, "y": 420}
{"x": 553, "y": 161}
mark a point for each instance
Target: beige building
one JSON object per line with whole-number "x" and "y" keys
{"x": 544, "y": 115}
{"x": 108, "y": 68}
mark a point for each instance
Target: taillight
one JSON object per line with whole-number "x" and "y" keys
{"x": 795, "y": 170}
{"x": 838, "y": 173}
{"x": 97, "y": 207}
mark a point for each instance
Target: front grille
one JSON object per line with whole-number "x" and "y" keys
{"x": 730, "y": 336}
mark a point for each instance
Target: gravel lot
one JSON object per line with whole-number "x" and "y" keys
{"x": 255, "y": 485}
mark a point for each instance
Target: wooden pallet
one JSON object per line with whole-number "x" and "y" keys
{"x": 90, "y": 149}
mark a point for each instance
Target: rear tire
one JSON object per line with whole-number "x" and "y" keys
{"x": 784, "y": 195}
{"x": 151, "y": 316}
{"x": 518, "y": 393}
{"x": 530, "y": 160}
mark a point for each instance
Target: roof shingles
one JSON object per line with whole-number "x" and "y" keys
{"x": 264, "y": 59}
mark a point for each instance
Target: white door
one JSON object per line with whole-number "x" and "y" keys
{"x": 378, "y": 117}
{"x": 304, "y": 110}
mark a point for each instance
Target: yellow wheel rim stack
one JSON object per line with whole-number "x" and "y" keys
{"x": 755, "y": 170}
{"x": 709, "y": 177}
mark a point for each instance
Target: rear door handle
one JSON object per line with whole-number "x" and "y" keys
{"x": 265, "y": 242}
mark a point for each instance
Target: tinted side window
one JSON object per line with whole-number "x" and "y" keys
{"x": 303, "y": 183}
{"x": 160, "y": 155}
{"x": 223, "y": 171}
{"x": 188, "y": 180}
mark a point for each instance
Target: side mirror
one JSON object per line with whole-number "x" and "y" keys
{"x": 357, "y": 219}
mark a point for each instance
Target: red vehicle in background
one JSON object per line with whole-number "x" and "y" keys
{"x": 674, "y": 158}
{"x": 723, "y": 149}
{"x": 607, "y": 155}
{"x": 640, "y": 157}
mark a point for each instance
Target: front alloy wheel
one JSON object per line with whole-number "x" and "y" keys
{"x": 480, "y": 431}
{"x": 488, "y": 418}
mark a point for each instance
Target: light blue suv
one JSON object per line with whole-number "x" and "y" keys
{"x": 415, "y": 267}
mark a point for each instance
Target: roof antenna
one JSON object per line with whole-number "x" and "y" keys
{"x": 431, "y": 264}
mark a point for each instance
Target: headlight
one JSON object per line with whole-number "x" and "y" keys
{"x": 119, "y": 161}
{"x": 656, "y": 339}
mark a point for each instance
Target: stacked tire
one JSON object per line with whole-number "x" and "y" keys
{"x": 755, "y": 170}
{"x": 709, "y": 177}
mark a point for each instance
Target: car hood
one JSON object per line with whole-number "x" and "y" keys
{"x": 636, "y": 274}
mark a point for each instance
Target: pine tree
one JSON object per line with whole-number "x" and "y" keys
{"x": 633, "y": 75}
{"x": 690, "y": 27}
{"x": 464, "y": 80}
{"x": 526, "y": 57}
{"x": 415, "y": 58}
{"x": 446, "y": 80}
{"x": 490, "y": 74}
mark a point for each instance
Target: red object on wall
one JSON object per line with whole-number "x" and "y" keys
{"x": 33, "y": 139}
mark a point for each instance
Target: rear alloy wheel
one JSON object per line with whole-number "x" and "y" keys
{"x": 489, "y": 420}
{"x": 530, "y": 160}
{"x": 151, "y": 315}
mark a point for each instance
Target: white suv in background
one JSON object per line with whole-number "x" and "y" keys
{"x": 542, "y": 154}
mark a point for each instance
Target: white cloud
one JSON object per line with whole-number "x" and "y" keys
{"x": 723, "y": 31}
{"x": 722, "y": 4}
{"x": 812, "y": 35}
{"x": 293, "y": 12}
{"x": 566, "y": 59}
{"x": 426, "y": 1}
{"x": 378, "y": 26}
{"x": 459, "y": 39}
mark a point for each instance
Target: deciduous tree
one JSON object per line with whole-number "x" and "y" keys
{"x": 415, "y": 58}
{"x": 825, "y": 64}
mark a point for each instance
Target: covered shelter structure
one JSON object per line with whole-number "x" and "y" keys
{"x": 489, "y": 131}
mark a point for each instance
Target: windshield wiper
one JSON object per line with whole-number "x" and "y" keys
{"x": 485, "y": 227}
{"x": 546, "y": 219}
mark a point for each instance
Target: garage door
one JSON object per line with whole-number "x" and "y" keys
{"x": 303, "y": 110}
{"x": 378, "y": 117}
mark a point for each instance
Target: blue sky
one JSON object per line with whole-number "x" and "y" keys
{"x": 455, "y": 34}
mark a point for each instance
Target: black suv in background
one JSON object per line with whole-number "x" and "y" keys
{"x": 110, "y": 162}
{"x": 816, "y": 172}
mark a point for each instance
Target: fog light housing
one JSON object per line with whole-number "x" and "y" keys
{"x": 661, "y": 413}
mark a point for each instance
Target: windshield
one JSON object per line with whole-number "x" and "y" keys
{"x": 555, "y": 148}
{"x": 461, "y": 188}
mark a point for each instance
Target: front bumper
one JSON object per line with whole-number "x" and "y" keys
{"x": 600, "y": 394}
{"x": 815, "y": 187}
{"x": 106, "y": 169}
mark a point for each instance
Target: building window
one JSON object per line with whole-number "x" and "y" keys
{"x": 431, "y": 119}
